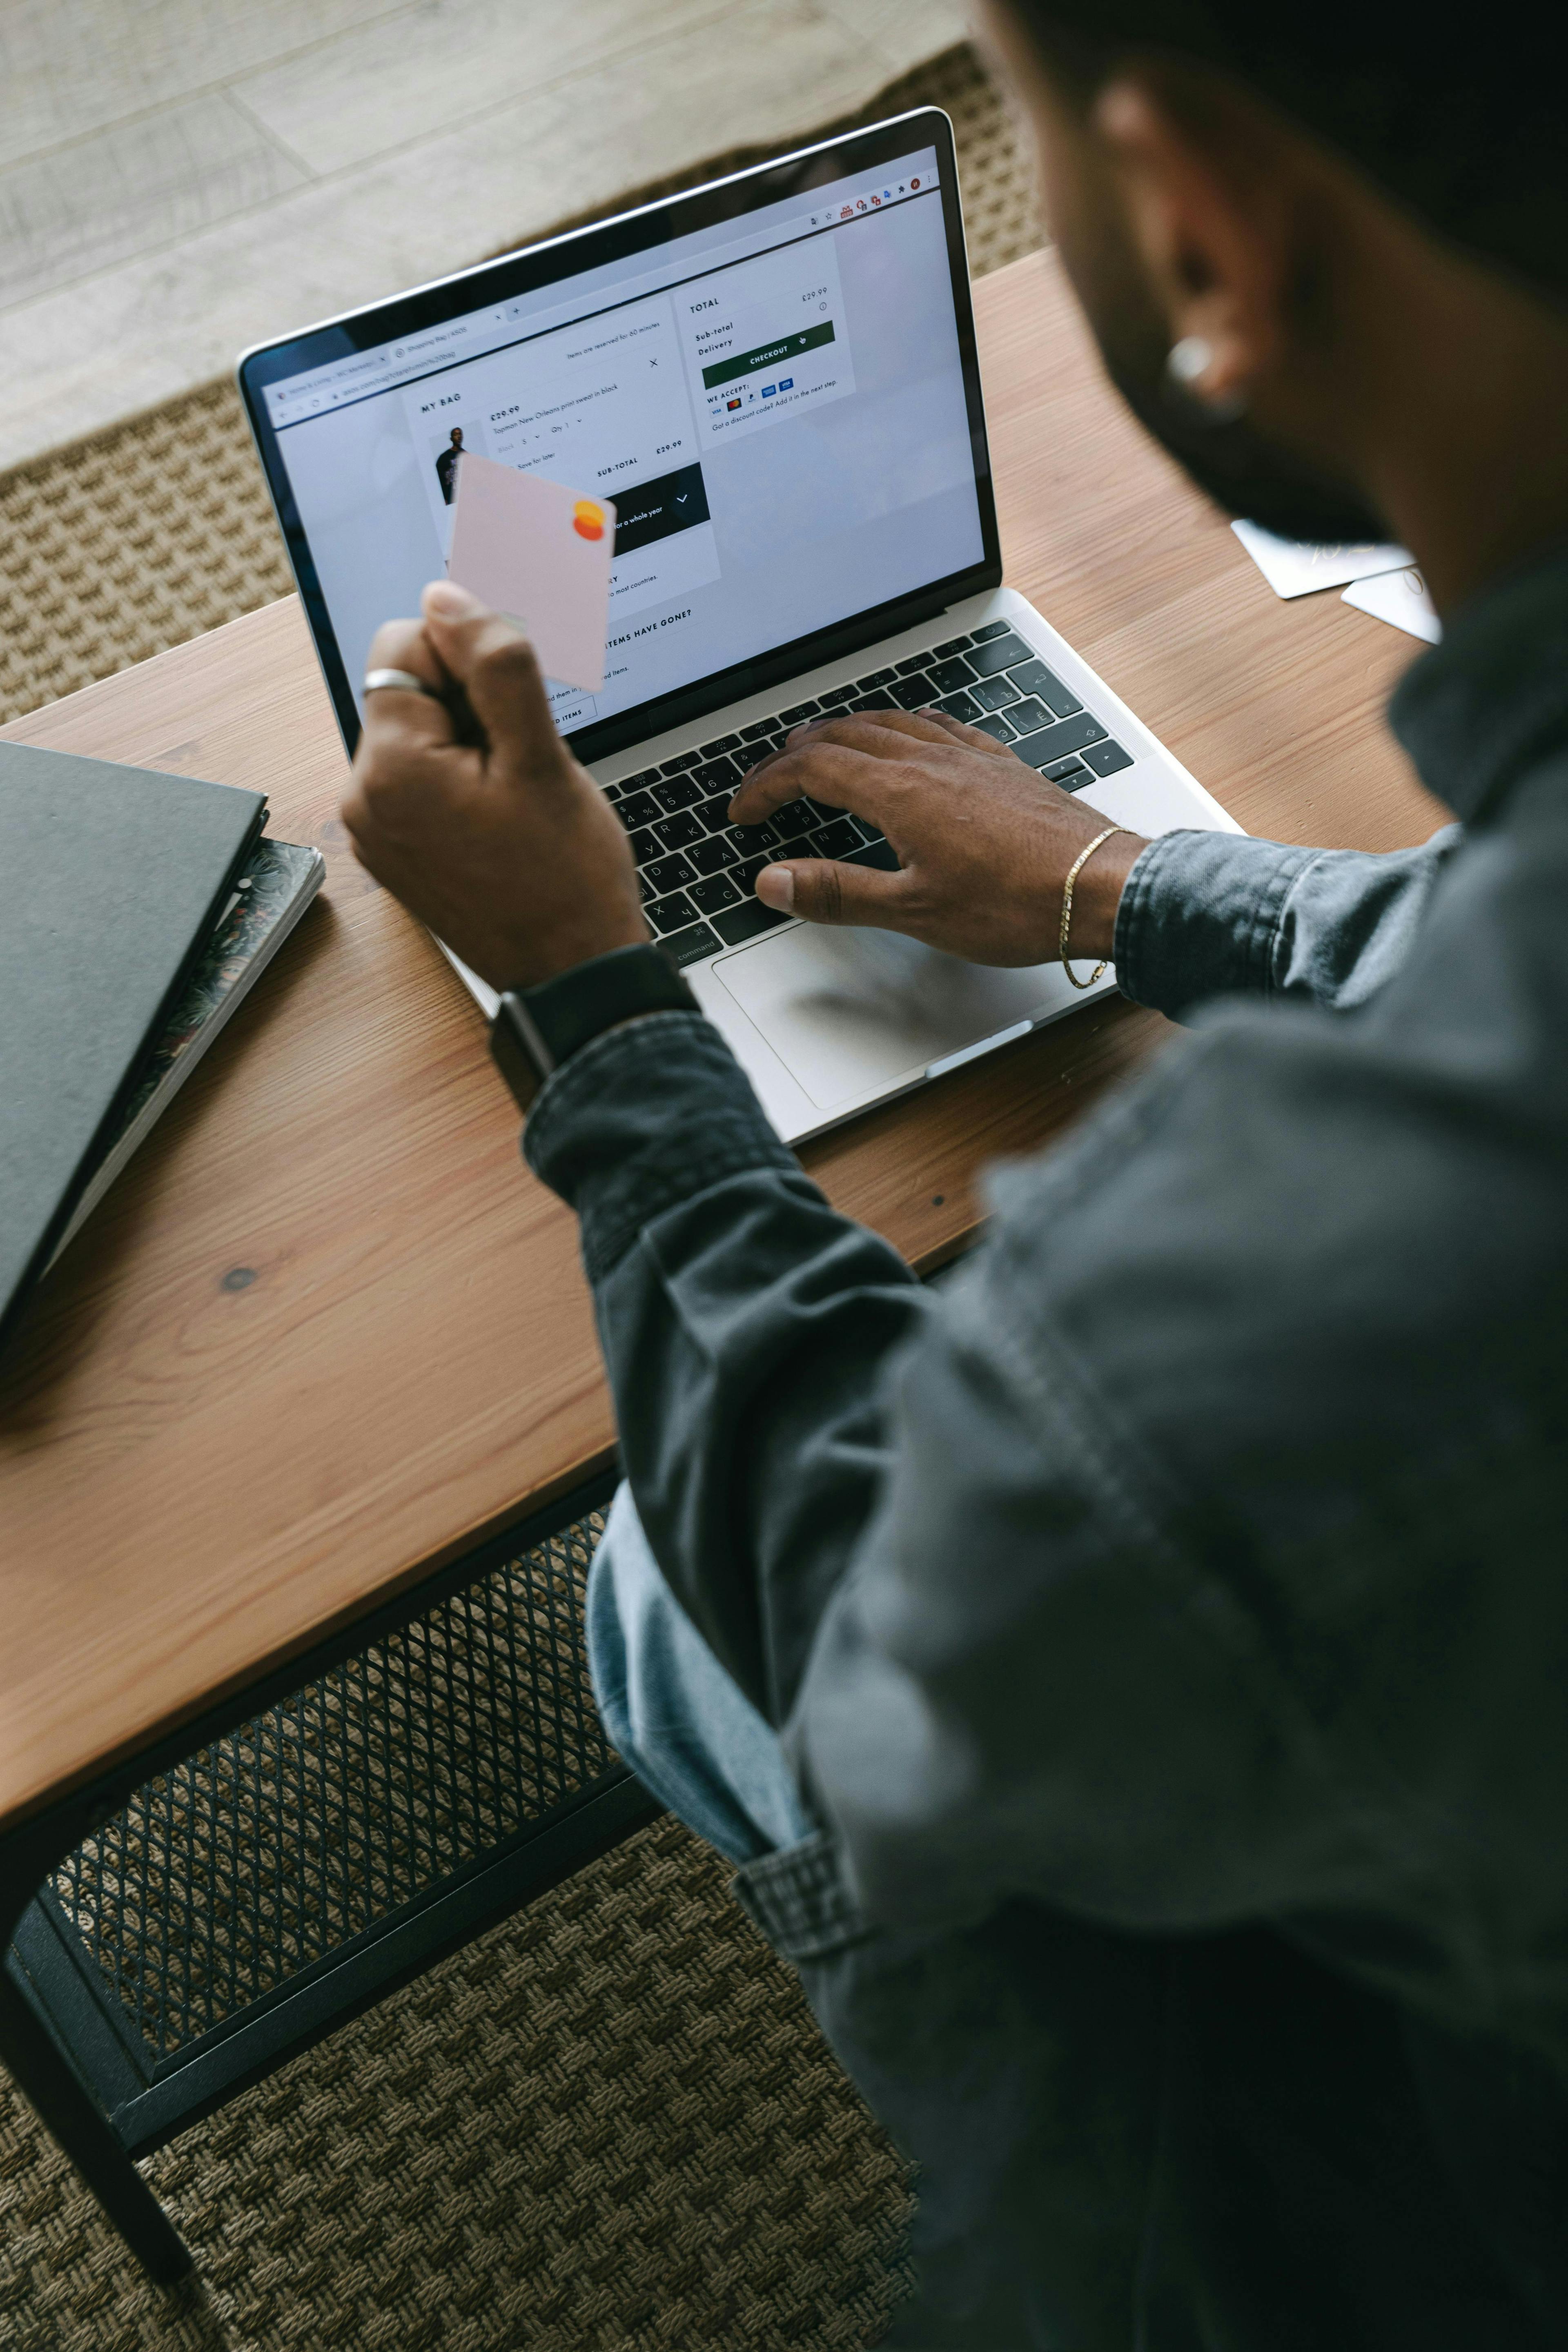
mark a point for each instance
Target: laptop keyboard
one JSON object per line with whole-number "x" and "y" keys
{"x": 695, "y": 868}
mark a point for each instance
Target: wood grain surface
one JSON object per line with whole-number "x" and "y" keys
{"x": 327, "y": 1332}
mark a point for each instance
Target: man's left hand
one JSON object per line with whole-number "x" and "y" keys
{"x": 508, "y": 850}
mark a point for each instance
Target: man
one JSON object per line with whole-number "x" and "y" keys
{"x": 446, "y": 465}
{"x": 1130, "y": 1680}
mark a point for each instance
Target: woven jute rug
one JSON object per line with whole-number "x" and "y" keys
{"x": 610, "y": 2122}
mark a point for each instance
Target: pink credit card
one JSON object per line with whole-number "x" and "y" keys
{"x": 540, "y": 553}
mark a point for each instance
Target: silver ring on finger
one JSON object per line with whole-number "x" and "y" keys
{"x": 401, "y": 681}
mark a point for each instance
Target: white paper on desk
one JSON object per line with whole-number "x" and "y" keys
{"x": 1295, "y": 567}
{"x": 1400, "y": 597}
{"x": 540, "y": 553}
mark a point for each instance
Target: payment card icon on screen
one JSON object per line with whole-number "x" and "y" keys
{"x": 542, "y": 554}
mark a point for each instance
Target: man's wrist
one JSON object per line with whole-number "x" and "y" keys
{"x": 537, "y": 1029}
{"x": 1097, "y": 898}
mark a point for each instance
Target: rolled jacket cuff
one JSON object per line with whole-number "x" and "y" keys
{"x": 1200, "y": 915}
{"x": 646, "y": 1116}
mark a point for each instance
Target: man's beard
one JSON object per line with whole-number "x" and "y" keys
{"x": 1244, "y": 474}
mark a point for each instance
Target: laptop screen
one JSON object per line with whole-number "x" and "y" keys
{"x": 780, "y": 401}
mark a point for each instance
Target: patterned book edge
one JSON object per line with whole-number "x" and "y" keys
{"x": 269, "y": 898}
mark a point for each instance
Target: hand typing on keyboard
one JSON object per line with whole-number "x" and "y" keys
{"x": 980, "y": 841}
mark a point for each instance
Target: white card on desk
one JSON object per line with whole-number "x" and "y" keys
{"x": 540, "y": 553}
{"x": 1400, "y": 597}
{"x": 1294, "y": 567}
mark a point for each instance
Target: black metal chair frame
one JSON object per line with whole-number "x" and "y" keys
{"x": 108, "y": 2094}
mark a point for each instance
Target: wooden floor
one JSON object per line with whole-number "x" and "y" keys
{"x": 180, "y": 178}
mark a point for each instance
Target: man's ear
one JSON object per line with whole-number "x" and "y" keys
{"x": 1211, "y": 232}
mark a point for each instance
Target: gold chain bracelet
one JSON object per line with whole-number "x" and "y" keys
{"x": 1074, "y": 870}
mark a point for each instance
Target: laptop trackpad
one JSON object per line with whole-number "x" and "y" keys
{"x": 853, "y": 1010}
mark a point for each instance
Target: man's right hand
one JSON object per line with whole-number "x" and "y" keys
{"x": 983, "y": 843}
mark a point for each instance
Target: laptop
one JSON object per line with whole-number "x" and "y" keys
{"x": 774, "y": 378}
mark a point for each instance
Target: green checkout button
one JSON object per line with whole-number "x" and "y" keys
{"x": 787, "y": 348}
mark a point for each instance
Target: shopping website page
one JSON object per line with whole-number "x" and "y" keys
{"x": 775, "y": 405}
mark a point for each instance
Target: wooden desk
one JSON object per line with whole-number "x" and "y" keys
{"x": 327, "y": 1332}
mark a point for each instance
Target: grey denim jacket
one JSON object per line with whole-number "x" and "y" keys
{"x": 1167, "y": 1619}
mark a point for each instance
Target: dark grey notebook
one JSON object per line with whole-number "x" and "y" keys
{"x": 110, "y": 881}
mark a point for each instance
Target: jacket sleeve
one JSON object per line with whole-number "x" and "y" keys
{"x": 745, "y": 1326}
{"x": 1215, "y": 914}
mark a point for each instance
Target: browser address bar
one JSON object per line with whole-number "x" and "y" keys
{"x": 407, "y": 360}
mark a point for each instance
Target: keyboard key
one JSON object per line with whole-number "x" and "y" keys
{"x": 878, "y": 677}
{"x": 646, "y": 845}
{"x": 759, "y": 728}
{"x": 639, "y": 809}
{"x": 746, "y": 873}
{"x": 639, "y": 784}
{"x": 680, "y": 831}
{"x": 798, "y": 846}
{"x": 711, "y": 856}
{"x": 1077, "y": 734}
{"x": 817, "y": 812}
{"x": 715, "y": 814}
{"x": 947, "y": 677}
{"x": 883, "y": 702}
{"x": 993, "y": 723}
{"x": 719, "y": 745}
{"x": 689, "y": 946}
{"x": 998, "y": 652}
{"x": 995, "y": 693}
{"x": 671, "y": 914}
{"x": 1055, "y": 742}
{"x": 837, "y": 696}
{"x": 667, "y": 874}
{"x": 796, "y": 712}
{"x": 1024, "y": 717}
{"x": 992, "y": 629}
{"x": 612, "y": 793}
{"x": 1034, "y": 678}
{"x": 716, "y": 775}
{"x": 714, "y": 890}
{"x": 793, "y": 818}
{"x": 1070, "y": 773}
{"x": 916, "y": 661}
{"x": 912, "y": 693}
{"x": 837, "y": 840}
{"x": 960, "y": 705}
{"x": 952, "y": 645}
{"x": 747, "y": 840}
{"x": 674, "y": 793}
{"x": 876, "y": 853}
{"x": 1107, "y": 759}
{"x": 748, "y": 920}
{"x": 679, "y": 767}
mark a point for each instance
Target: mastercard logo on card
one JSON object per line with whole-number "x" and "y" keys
{"x": 540, "y": 553}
